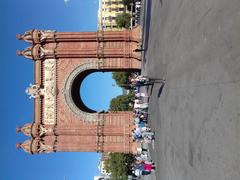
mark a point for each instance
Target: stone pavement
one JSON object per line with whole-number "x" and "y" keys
{"x": 195, "y": 45}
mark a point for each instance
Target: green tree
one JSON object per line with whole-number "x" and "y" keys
{"x": 123, "y": 20}
{"x": 121, "y": 103}
{"x": 127, "y": 2}
{"x": 119, "y": 165}
{"x": 121, "y": 79}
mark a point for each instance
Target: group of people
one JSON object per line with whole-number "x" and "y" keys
{"x": 142, "y": 166}
{"x": 136, "y": 15}
{"x": 137, "y": 81}
{"x": 141, "y": 132}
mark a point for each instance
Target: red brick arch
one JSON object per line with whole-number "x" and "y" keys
{"x": 66, "y": 58}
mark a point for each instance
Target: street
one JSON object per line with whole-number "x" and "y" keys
{"x": 195, "y": 46}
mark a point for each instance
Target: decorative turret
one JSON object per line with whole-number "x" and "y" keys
{"x": 35, "y": 130}
{"x": 35, "y": 146}
{"x": 25, "y": 146}
{"x": 27, "y": 36}
{"x": 27, "y": 52}
{"x": 30, "y": 129}
{"x": 26, "y": 129}
{"x": 36, "y": 52}
{"x": 37, "y": 36}
{"x": 29, "y": 146}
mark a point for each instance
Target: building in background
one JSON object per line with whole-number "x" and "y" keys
{"x": 107, "y": 13}
{"x": 101, "y": 177}
{"x": 101, "y": 165}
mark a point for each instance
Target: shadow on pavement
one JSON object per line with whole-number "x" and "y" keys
{"x": 160, "y": 90}
{"x": 147, "y": 24}
{"x": 161, "y": 2}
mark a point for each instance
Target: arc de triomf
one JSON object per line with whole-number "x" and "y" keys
{"x": 61, "y": 61}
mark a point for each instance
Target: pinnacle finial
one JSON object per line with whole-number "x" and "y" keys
{"x": 18, "y": 129}
{"x": 18, "y": 145}
{"x": 19, "y": 37}
{"x": 19, "y": 53}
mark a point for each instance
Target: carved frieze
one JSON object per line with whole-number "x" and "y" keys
{"x": 34, "y": 91}
{"x": 45, "y": 130}
{"x": 47, "y": 34}
{"x": 43, "y": 148}
{"x": 49, "y": 92}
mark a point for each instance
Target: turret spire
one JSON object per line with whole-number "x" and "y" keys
{"x": 26, "y": 129}
{"x": 19, "y": 37}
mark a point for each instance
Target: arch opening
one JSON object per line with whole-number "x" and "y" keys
{"x": 98, "y": 89}
{"x": 77, "y": 95}
{"x": 75, "y": 91}
{"x": 73, "y": 87}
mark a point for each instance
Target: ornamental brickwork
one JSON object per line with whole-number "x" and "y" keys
{"x": 62, "y": 123}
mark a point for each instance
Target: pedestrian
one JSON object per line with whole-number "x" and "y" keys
{"x": 139, "y": 95}
{"x": 144, "y": 173}
{"x": 140, "y": 106}
{"x": 138, "y": 50}
{"x": 148, "y": 167}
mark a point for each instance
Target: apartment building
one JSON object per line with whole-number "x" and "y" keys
{"x": 107, "y": 13}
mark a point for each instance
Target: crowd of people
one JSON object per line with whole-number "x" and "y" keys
{"x": 141, "y": 131}
{"x": 142, "y": 166}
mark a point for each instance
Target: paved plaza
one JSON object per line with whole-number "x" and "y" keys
{"x": 195, "y": 45}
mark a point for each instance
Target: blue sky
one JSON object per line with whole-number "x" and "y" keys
{"x": 16, "y": 73}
